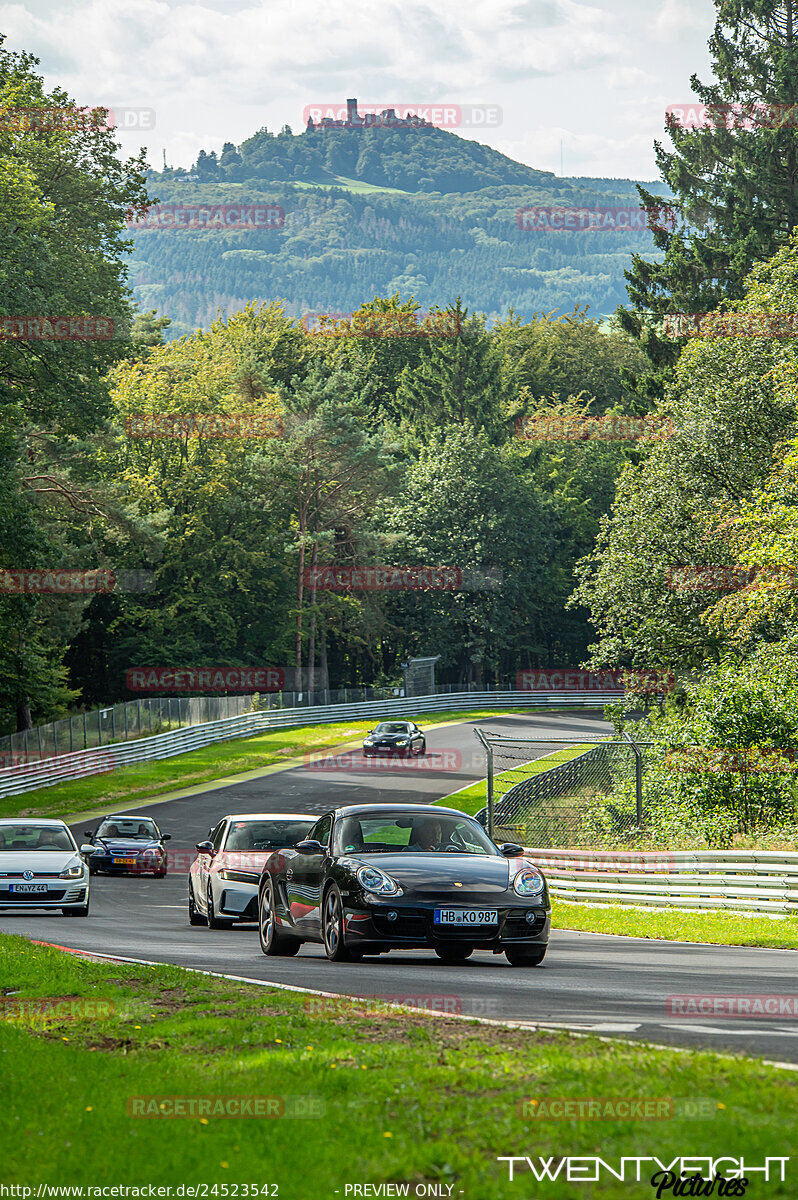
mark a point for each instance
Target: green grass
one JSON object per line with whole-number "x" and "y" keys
{"x": 472, "y": 799}
{"x": 144, "y": 781}
{"x": 351, "y": 185}
{"x": 720, "y": 928}
{"x": 404, "y": 1097}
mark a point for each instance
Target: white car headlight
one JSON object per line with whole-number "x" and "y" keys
{"x": 239, "y": 876}
{"x": 376, "y": 881}
{"x": 73, "y": 871}
{"x": 529, "y": 882}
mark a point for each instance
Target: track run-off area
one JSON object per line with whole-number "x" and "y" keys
{"x": 590, "y": 982}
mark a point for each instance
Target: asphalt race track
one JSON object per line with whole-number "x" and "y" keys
{"x": 607, "y": 985}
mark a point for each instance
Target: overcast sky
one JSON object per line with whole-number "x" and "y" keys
{"x": 595, "y": 77}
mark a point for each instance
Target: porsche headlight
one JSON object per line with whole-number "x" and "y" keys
{"x": 73, "y": 871}
{"x": 376, "y": 881}
{"x": 529, "y": 882}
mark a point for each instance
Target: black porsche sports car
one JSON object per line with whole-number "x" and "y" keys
{"x": 394, "y": 737}
{"x": 369, "y": 879}
{"x": 126, "y": 845}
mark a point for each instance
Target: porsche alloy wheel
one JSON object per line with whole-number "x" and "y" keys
{"x": 333, "y": 928}
{"x": 272, "y": 940}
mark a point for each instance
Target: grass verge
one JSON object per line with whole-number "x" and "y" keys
{"x": 396, "y": 1097}
{"x": 718, "y": 928}
{"x": 144, "y": 781}
{"x": 473, "y": 798}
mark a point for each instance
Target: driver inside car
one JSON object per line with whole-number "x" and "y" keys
{"x": 426, "y": 836}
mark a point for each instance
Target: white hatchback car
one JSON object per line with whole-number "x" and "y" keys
{"x": 223, "y": 879}
{"x": 41, "y": 867}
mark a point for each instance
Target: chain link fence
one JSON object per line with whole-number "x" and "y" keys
{"x": 152, "y": 715}
{"x": 563, "y": 793}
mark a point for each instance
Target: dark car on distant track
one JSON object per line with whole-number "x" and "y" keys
{"x": 370, "y": 878}
{"x": 126, "y": 844}
{"x": 394, "y": 737}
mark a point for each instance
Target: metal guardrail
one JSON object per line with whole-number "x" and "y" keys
{"x": 97, "y": 760}
{"x": 742, "y": 880}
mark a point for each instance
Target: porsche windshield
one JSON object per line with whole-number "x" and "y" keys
{"x": 424, "y": 833}
{"x": 35, "y": 837}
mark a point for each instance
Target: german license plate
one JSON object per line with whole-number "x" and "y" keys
{"x": 466, "y": 916}
{"x": 124, "y": 862}
{"x": 28, "y": 888}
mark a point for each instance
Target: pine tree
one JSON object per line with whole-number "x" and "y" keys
{"x": 733, "y": 174}
{"x": 458, "y": 379}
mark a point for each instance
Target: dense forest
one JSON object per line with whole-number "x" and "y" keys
{"x": 374, "y": 212}
{"x": 404, "y": 451}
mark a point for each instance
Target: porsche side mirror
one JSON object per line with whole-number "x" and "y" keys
{"x": 511, "y": 849}
{"x": 310, "y": 846}
{"x": 205, "y": 847}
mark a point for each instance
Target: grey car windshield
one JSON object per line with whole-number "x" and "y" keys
{"x": 35, "y": 837}
{"x": 423, "y": 833}
{"x": 132, "y": 829}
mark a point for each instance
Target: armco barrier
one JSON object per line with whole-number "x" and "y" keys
{"x": 743, "y": 880}
{"x": 27, "y": 777}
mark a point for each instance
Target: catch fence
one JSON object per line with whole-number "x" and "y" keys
{"x": 563, "y": 792}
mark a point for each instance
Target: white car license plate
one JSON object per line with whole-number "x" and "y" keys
{"x": 466, "y": 916}
{"x": 28, "y": 887}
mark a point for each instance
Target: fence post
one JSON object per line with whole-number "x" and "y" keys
{"x": 85, "y": 732}
{"x": 638, "y": 778}
{"x": 125, "y": 709}
{"x": 489, "y": 778}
